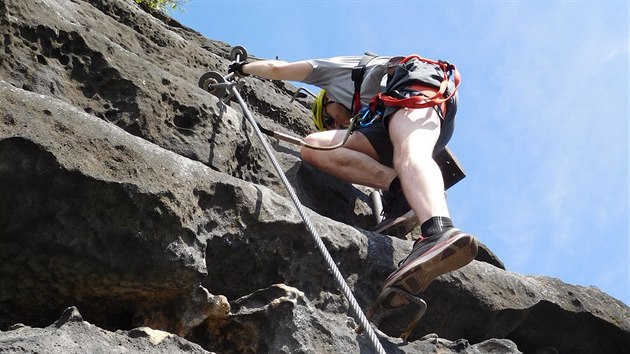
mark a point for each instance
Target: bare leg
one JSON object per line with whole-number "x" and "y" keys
{"x": 355, "y": 162}
{"x": 413, "y": 134}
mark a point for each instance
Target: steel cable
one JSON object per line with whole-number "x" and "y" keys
{"x": 309, "y": 225}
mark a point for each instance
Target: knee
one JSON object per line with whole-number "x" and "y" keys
{"x": 313, "y": 157}
{"x": 414, "y": 148}
{"x": 408, "y": 159}
{"x": 309, "y": 155}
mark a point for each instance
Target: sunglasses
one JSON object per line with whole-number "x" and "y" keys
{"x": 328, "y": 120}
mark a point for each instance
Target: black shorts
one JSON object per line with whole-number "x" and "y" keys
{"x": 378, "y": 136}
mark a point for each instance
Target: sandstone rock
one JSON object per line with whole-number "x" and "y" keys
{"x": 71, "y": 335}
{"x": 130, "y": 193}
{"x": 280, "y": 319}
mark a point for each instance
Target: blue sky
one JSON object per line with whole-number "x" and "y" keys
{"x": 542, "y": 126}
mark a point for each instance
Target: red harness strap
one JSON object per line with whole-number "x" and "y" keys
{"x": 429, "y": 92}
{"x": 422, "y": 101}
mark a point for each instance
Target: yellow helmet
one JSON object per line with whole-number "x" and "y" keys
{"x": 318, "y": 107}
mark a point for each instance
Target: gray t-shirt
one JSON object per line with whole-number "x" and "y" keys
{"x": 335, "y": 76}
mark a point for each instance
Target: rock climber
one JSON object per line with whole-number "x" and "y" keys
{"x": 394, "y": 153}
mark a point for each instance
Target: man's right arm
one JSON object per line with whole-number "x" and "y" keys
{"x": 279, "y": 70}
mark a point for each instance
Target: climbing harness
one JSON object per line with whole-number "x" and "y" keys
{"x": 374, "y": 111}
{"x": 214, "y": 82}
{"x": 381, "y": 100}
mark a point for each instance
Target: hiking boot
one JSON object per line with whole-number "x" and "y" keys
{"x": 399, "y": 218}
{"x": 431, "y": 257}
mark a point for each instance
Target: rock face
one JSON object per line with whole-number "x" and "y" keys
{"x": 71, "y": 335}
{"x": 128, "y": 194}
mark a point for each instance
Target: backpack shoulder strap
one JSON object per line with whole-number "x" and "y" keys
{"x": 357, "y": 76}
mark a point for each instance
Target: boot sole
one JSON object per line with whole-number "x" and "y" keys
{"x": 416, "y": 276}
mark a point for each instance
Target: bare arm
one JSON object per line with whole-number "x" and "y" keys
{"x": 279, "y": 70}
